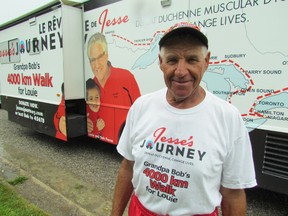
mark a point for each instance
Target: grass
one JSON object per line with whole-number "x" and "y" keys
{"x": 18, "y": 180}
{"x": 79, "y": 186}
{"x": 14, "y": 205}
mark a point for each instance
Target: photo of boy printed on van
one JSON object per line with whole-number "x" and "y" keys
{"x": 94, "y": 123}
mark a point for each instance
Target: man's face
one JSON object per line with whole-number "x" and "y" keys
{"x": 98, "y": 61}
{"x": 183, "y": 66}
{"x": 93, "y": 99}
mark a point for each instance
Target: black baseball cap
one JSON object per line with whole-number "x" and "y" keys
{"x": 185, "y": 28}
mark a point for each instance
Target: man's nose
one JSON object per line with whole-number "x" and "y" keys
{"x": 181, "y": 69}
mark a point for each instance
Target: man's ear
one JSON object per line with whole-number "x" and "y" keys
{"x": 207, "y": 59}
{"x": 160, "y": 60}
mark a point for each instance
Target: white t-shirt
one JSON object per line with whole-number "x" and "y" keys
{"x": 182, "y": 156}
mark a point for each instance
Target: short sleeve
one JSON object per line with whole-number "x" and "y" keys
{"x": 124, "y": 146}
{"x": 238, "y": 168}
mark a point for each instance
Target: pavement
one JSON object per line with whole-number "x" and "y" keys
{"x": 39, "y": 193}
{"x": 64, "y": 178}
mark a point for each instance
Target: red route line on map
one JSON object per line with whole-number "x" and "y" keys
{"x": 252, "y": 112}
{"x": 139, "y": 44}
{"x": 242, "y": 70}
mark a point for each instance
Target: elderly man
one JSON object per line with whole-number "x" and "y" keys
{"x": 185, "y": 151}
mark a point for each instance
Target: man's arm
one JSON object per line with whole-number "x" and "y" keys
{"x": 233, "y": 202}
{"x": 123, "y": 188}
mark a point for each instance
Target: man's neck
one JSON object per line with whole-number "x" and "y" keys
{"x": 196, "y": 98}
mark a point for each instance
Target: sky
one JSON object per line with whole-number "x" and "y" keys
{"x": 11, "y": 9}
